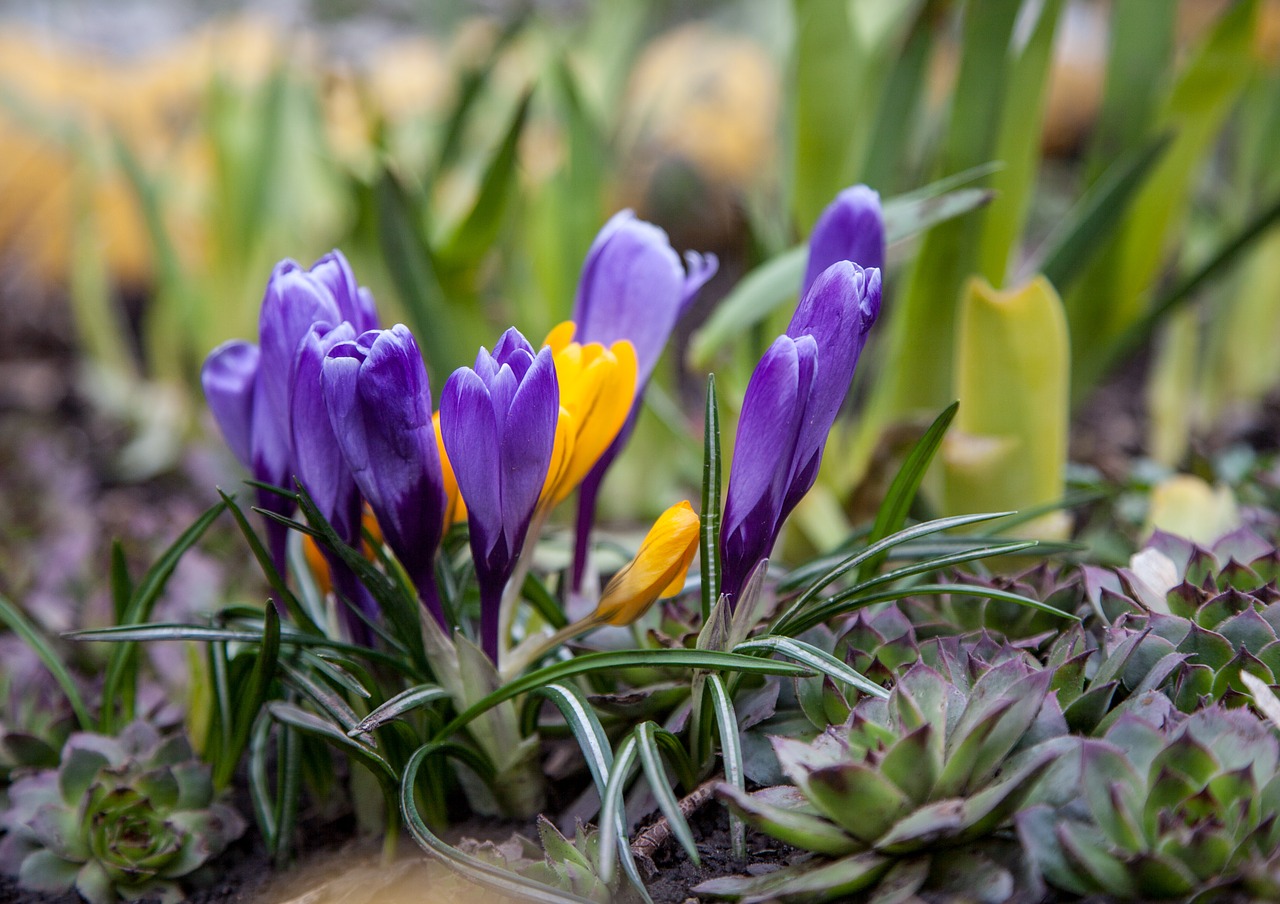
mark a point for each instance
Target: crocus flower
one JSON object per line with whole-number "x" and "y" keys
{"x": 378, "y": 398}
{"x": 597, "y": 385}
{"x": 850, "y": 229}
{"x": 657, "y": 571}
{"x": 790, "y": 405}
{"x": 498, "y": 421}
{"x": 632, "y": 287}
{"x": 248, "y": 392}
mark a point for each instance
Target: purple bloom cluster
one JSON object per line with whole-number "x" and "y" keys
{"x": 797, "y": 389}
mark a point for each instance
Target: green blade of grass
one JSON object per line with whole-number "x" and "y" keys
{"x": 709, "y": 531}
{"x": 33, "y": 637}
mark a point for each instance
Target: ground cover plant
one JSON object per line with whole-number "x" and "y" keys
{"x": 837, "y": 610}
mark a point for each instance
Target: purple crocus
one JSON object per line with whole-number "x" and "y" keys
{"x": 632, "y": 287}
{"x": 248, "y": 387}
{"x": 850, "y": 229}
{"x": 379, "y": 403}
{"x": 791, "y": 403}
{"x": 498, "y": 422}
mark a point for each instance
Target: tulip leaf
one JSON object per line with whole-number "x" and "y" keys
{"x": 709, "y": 536}
{"x": 120, "y": 678}
{"x": 892, "y": 513}
{"x": 34, "y": 638}
{"x": 775, "y": 282}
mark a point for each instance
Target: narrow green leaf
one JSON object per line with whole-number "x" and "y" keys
{"x": 33, "y": 637}
{"x": 250, "y": 698}
{"x": 709, "y": 533}
{"x": 478, "y": 230}
{"x": 674, "y": 657}
{"x": 542, "y": 599}
{"x": 613, "y": 835}
{"x": 264, "y": 804}
{"x": 329, "y": 703}
{"x": 774, "y": 284}
{"x": 310, "y": 723}
{"x": 288, "y": 789}
{"x": 121, "y": 582}
{"x": 818, "y": 660}
{"x": 119, "y": 684}
{"x": 402, "y": 703}
{"x": 1093, "y": 221}
{"x": 470, "y": 867}
{"x": 585, "y": 725}
{"x": 892, "y": 513}
{"x": 659, "y": 786}
{"x": 295, "y": 609}
{"x": 731, "y": 755}
{"x": 853, "y": 561}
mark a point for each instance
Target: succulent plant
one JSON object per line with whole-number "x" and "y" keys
{"x": 122, "y": 816}
{"x": 914, "y": 790}
{"x": 1201, "y": 605}
{"x": 1172, "y": 807}
{"x": 569, "y": 865}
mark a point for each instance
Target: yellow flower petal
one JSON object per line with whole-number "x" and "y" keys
{"x": 597, "y": 387}
{"x": 657, "y": 571}
{"x": 455, "y": 510}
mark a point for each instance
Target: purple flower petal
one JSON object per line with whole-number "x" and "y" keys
{"x": 850, "y": 229}
{"x": 470, "y": 433}
{"x": 355, "y": 304}
{"x": 527, "y": 443}
{"x": 317, "y": 458}
{"x": 229, "y": 378}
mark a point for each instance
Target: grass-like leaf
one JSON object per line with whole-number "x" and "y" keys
{"x": 250, "y": 698}
{"x": 851, "y": 562}
{"x": 671, "y": 658}
{"x": 473, "y": 868}
{"x": 299, "y": 718}
{"x": 816, "y": 659}
{"x": 709, "y": 532}
{"x": 659, "y": 786}
{"x": 33, "y": 637}
{"x": 544, "y": 601}
{"x": 892, "y": 513}
{"x": 582, "y": 720}
{"x": 301, "y": 617}
{"x": 119, "y": 684}
{"x": 731, "y": 755}
{"x": 402, "y": 703}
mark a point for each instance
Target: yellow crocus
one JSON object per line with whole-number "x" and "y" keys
{"x": 455, "y": 510}
{"x": 657, "y": 571}
{"x": 597, "y": 386}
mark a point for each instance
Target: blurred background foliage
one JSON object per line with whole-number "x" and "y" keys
{"x": 463, "y": 156}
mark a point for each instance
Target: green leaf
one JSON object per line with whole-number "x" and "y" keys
{"x": 1093, "y": 220}
{"x": 295, "y": 609}
{"x": 840, "y": 880}
{"x": 775, "y": 283}
{"x": 250, "y": 698}
{"x": 798, "y": 829}
{"x": 611, "y": 661}
{"x": 730, "y": 754}
{"x": 892, "y": 514}
{"x": 816, "y": 659}
{"x": 470, "y": 867}
{"x": 120, "y": 677}
{"x": 651, "y": 763}
{"x": 402, "y": 703}
{"x": 542, "y": 599}
{"x": 478, "y": 230}
{"x": 709, "y": 531}
{"x": 586, "y": 728}
{"x": 121, "y": 582}
{"x": 853, "y": 561}
{"x": 18, "y": 622}
{"x": 310, "y": 723}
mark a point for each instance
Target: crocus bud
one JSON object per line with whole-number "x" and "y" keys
{"x": 498, "y": 421}
{"x": 850, "y": 229}
{"x": 379, "y": 402}
{"x": 657, "y": 571}
{"x": 791, "y": 403}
